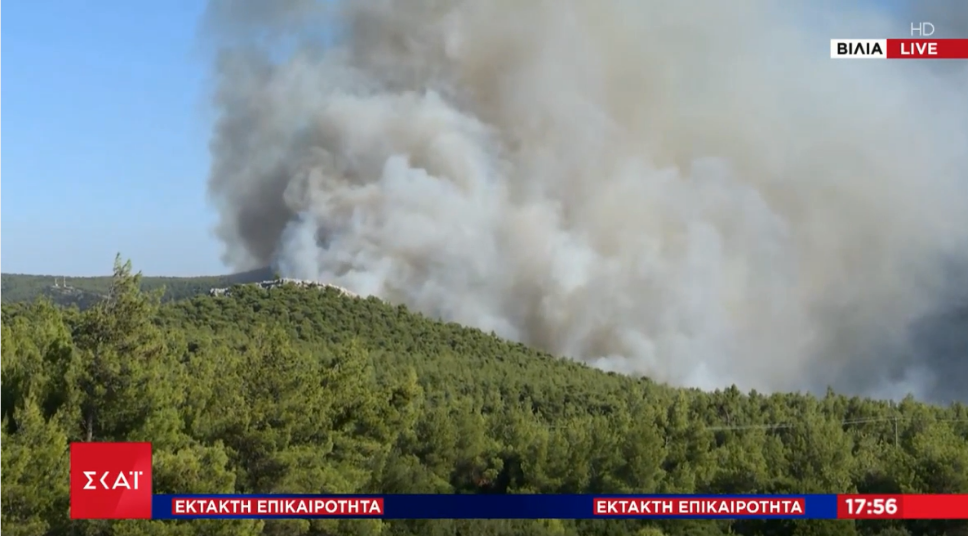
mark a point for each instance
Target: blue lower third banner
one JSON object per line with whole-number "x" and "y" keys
{"x": 493, "y": 506}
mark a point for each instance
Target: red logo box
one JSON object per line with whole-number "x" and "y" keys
{"x": 110, "y": 480}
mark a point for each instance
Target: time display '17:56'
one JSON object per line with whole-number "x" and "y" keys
{"x": 868, "y": 507}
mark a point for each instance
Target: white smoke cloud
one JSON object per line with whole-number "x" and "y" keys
{"x": 638, "y": 185}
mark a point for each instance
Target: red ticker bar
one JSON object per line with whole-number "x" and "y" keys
{"x": 930, "y": 49}
{"x": 935, "y": 506}
{"x": 902, "y": 507}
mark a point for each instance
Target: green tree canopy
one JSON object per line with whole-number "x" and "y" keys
{"x": 306, "y": 390}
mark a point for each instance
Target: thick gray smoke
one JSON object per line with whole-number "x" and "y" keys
{"x": 688, "y": 190}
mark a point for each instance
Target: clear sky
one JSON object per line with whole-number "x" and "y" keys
{"x": 107, "y": 133}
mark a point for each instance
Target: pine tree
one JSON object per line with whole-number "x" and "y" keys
{"x": 118, "y": 376}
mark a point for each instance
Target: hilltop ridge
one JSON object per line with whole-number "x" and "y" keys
{"x": 275, "y": 283}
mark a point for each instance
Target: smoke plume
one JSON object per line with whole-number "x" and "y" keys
{"x": 688, "y": 190}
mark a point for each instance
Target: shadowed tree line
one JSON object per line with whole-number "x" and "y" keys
{"x": 307, "y": 391}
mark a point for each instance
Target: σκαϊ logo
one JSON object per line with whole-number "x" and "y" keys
{"x": 110, "y": 480}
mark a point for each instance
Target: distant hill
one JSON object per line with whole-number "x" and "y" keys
{"x": 83, "y": 291}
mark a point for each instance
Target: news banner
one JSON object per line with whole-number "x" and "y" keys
{"x": 919, "y": 47}
{"x": 114, "y": 481}
{"x": 899, "y": 49}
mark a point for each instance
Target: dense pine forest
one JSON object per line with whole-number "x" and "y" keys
{"x": 308, "y": 391}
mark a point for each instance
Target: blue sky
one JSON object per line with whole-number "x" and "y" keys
{"x": 107, "y": 133}
{"x": 107, "y": 138}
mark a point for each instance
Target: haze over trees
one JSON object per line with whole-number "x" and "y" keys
{"x": 308, "y": 391}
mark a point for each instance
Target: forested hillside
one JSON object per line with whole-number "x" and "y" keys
{"x": 308, "y": 391}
